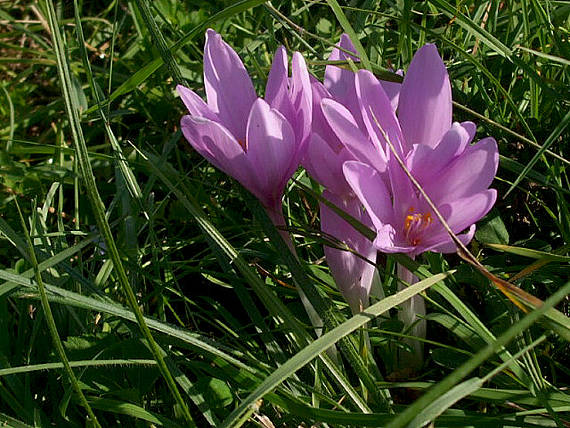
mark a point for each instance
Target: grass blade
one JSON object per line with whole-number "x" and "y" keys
{"x": 549, "y": 141}
{"x": 326, "y": 341}
{"x": 98, "y": 207}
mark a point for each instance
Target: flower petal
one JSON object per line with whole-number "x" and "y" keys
{"x": 377, "y": 112}
{"x": 449, "y": 246}
{"x": 470, "y": 173}
{"x": 352, "y": 275}
{"x": 462, "y": 213}
{"x": 213, "y": 141}
{"x": 369, "y": 187}
{"x": 319, "y": 123}
{"x": 277, "y": 88}
{"x": 426, "y": 162}
{"x": 348, "y": 132}
{"x": 302, "y": 100}
{"x": 392, "y": 90}
{"x": 229, "y": 88}
{"x": 340, "y": 81}
{"x": 325, "y": 165}
{"x": 195, "y": 105}
{"x": 424, "y": 108}
{"x": 270, "y": 149}
{"x": 388, "y": 241}
{"x": 459, "y": 215}
{"x": 278, "y": 79}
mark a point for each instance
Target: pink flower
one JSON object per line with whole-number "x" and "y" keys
{"x": 453, "y": 173}
{"x": 324, "y": 160}
{"x": 327, "y": 152}
{"x": 259, "y": 142}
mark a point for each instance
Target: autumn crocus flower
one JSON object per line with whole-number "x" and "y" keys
{"x": 259, "y": 142}
{"x": 453, "y": 173}
{"x": 327, "y": 152}
{"x": 324, "y": 160}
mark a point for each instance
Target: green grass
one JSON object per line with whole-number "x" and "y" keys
{"x": 138, "y": 284}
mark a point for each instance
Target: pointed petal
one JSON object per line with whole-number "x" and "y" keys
{"x": 426, "y": 162}
{"x": 302, "y": 99}
{"x": 347, "y": 131}
{"x": 219, "y": 147}
{"x": 352, "y": 275}
{"x": 278, "y": 79}
{"x": 468, "y": 174}
{"x": 195, "y": 105}
{"x": 459, "y": 215}
{"x": 277, "y": 88}
{"x": 392, "y": 90}
{"x": 449, "y": 246}
{"x": 325, "y": 165}
{"x": 270, "y": 148}
{"x": 340, "y": 81}
{"x": 229, "y": 88}
{"x": 462, "y": 213}
{"x": 388, "y": 241}
{"x": 319, "y": 123}
{"x": 377, "y": 112}
{"x": 369, "y": 187}
{"x": 424, "y": 108}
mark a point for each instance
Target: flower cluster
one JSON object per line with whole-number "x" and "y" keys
{"x": 348, "y": 132}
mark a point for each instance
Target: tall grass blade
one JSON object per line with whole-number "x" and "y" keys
{"x": 98, "y": 207}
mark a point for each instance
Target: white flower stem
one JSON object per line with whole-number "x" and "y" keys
{"x": 408, "y": 314}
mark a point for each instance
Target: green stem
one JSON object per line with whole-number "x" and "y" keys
{"x": 52, "y": 326}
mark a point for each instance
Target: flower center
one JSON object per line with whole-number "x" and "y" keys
{"x": 415, "y": 224}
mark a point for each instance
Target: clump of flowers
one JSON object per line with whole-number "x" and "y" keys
{"x": 454, "y": 174}
{"x": 349, "y": 132}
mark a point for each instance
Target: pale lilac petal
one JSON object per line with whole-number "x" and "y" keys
{"x": 369, "y": 187}
{"x": 340, "y": 81}
{"x": 229, "y": 89}
{"x": 449, "y": 246}
{"x": 426, "y": 162}
{"x": 377, "y": 112}
{"x": 462, "y": 213}
{"x": 319, "y": 123}
{"x": 344, "y": 126}
{"x": 302, "y": 99}
{"x": 388, "y": 240}
{"x": 470, "y": 173}
{"x": 404, "y": 193}
{"x": 459, "y": 215}
{"x": 278, "y": 79}
{"x": 392, "y": 90}
{"x": 270, "y": 148}
{"x": 195, "y": 105}
{"x": 213, "y": 141}
{"x": 424, "y": 107}
{"x": 277, "y": 88}
{"x": 352, "y": 274}
{"x": 325, "y": 165}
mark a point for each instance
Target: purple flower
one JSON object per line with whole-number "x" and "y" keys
{"x": 324, "y": 160}
{"x": 258, "y": 142}
{"x": 454, "y": 174}
{"x": 327, "y": 152}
